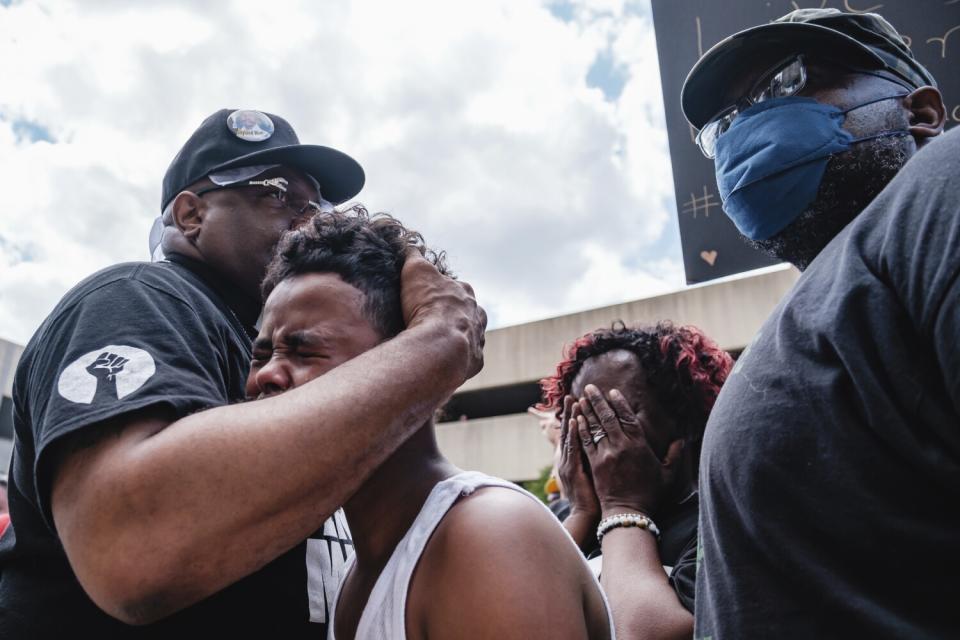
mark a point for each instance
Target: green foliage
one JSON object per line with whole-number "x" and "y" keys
{"x": 536, "y": 487}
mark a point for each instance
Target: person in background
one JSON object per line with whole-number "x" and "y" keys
{"x": 440, "y": 553}
{"x": 550, "y": 429}
{"x": 634, "y": 403}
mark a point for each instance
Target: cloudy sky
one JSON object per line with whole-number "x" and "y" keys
{"x": 525, "y": 137}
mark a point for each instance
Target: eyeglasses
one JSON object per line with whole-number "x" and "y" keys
{"x": 277, "y": 192}
{"x": 786, "y": 78}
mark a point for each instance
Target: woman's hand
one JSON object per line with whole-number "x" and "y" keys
{"x": 575, "y": 479}
{"x": 627, "y": 474}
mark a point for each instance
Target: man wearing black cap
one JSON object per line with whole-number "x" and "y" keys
{"x": 831, "y": 463}
{"x": 142, "y": 492}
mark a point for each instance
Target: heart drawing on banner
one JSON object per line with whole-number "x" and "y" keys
{"x": 709, "y": 257}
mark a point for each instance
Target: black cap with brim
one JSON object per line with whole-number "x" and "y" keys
{"x": 703, "y": 91}
{"x": 229, "y": 139}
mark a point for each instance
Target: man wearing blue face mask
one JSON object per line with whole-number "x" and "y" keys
{"x": 830, "y": 470}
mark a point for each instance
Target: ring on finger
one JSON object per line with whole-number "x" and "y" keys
{"x": 597, "y": 437}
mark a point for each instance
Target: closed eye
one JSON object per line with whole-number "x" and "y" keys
{"x": 321, "y": 356}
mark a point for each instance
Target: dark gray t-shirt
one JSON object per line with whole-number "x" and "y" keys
{"x": 830, "y": 475}
{"x": 129, "y": 337}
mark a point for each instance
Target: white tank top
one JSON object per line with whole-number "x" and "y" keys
{"x": 384, "y": 616}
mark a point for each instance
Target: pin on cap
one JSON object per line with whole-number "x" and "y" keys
{"x": 252, "y": 126}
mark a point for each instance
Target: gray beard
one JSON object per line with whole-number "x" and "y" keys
{"x": 851, "y": 182}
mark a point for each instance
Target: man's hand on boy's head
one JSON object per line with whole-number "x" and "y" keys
{"x": 427, "y": 296}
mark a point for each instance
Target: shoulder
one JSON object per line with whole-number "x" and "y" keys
{"x": 122, "y": 272}
{"x": 508, "y": 570}
{"x": 133, "y": 312}
{"x": 910, "y": 234}
{"x": 153, "y": 279}
{"x": 496, "y": 509}
{"x": 920, "y": 199}
{"x": 499, "y": 535}
{"x": 124, "y": 284}
{"x": 941, "y": 152}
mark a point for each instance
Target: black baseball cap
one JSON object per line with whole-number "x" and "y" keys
{"x": 233, "y": 138}
{"x": 863, "y": 40}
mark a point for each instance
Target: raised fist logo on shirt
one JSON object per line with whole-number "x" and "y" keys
{"x": 106, "y": 374}
{"x": 109, "y": 364}
{"x": 105, "y": 369}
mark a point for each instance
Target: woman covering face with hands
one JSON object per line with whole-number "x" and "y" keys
{"x": 633, "y": 405}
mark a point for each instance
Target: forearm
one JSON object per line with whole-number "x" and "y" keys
{"x": 216, "y": 495}
{"x": 582, "y": 527}
{"x": 643, "y": 603}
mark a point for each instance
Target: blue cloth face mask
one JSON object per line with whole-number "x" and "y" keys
{"x": 771, "y": 160}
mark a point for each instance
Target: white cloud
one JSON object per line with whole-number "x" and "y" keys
{"x": 473, "y": 120}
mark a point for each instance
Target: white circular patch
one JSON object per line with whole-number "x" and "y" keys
{"x": 251, "y": 126}
{"x": 116, "y": 369}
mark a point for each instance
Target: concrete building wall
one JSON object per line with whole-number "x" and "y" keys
{"x": 511, "y": 446}
{"x": 506, "y": 446}
{"x": 730, "y": 312}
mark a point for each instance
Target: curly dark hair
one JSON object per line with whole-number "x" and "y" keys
{"x": 367, "y": 251}
{"x": 683, "y": 367}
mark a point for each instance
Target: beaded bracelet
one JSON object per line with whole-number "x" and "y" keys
{"x": 626, "y": 520}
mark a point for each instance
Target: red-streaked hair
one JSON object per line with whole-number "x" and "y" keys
{"x": 683, "y": 367}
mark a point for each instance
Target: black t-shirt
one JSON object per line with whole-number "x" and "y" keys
{"x": 134, "y": 336}
{"x": 678, "y": 547}
{"x": 830, "y": 474}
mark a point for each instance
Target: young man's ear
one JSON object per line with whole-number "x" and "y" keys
{"x": 927, "y": 114}
{"x": 188, "y": 214}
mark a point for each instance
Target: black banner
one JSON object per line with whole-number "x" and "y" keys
{"x": 685, "y": 29}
